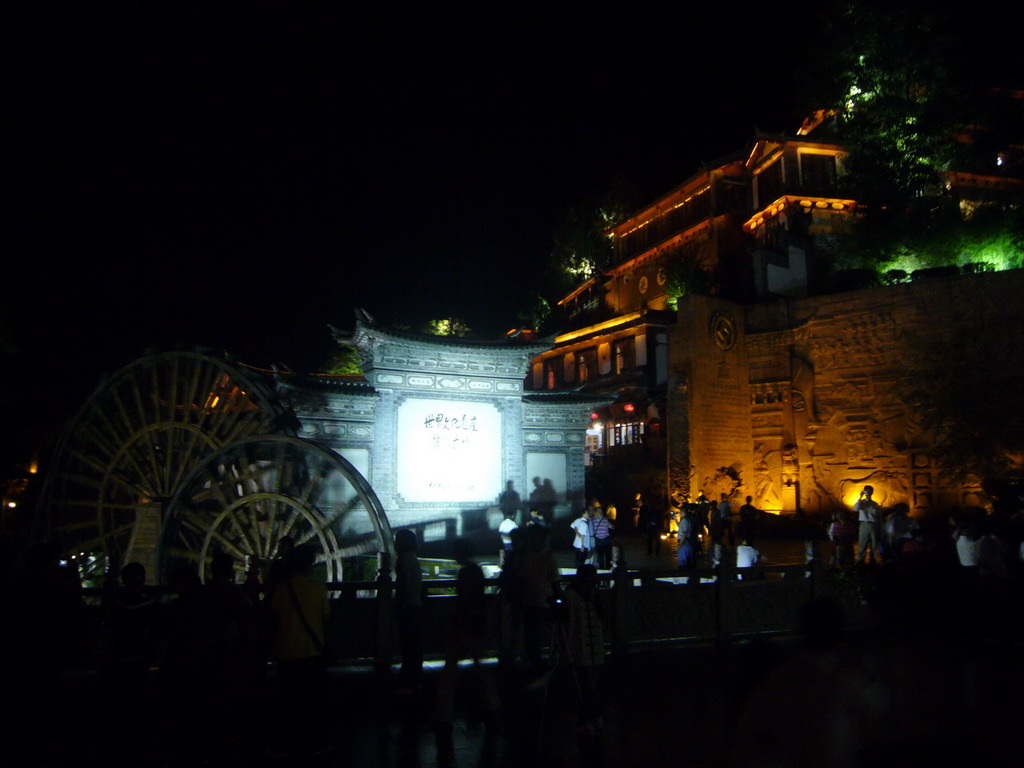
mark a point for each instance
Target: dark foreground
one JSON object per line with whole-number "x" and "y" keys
{"x": 881, "y": 697}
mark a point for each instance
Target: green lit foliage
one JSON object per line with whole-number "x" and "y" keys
{"x": 966, "y": 386}
{"x": 582, "y": 247}
{"x": 686, "y": 275}
{"x": 345, "y": 362}
{"x": 993, "y": 235}
{"x": 536, "y": 315}
{"x": 447, "y": 326}
{"x": 898, "y": 80}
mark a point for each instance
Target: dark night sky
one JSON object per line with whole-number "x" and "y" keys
{"x": 241, "y": 178}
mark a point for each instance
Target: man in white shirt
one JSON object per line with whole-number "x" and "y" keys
{"x": 746, "y": 557}
{"x": 584, "y": 540}
{"x": 505, "y": 529}
{"x": 869, "y": 518}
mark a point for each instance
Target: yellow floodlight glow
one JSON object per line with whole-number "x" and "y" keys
{"x": 614, "y": 322}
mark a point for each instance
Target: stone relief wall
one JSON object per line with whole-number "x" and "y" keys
{"x": 820, "y": 377}
{"x": 826, "y": 416}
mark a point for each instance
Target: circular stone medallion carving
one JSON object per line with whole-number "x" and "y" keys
{"x": 723, "y": 330}
{"x": 643, "y": 284}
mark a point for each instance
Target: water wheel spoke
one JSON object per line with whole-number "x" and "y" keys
{"x": 102, "y": 434}
{"x": 172, "y": 399}
{"x": 89, "y": 461}
{"x": 185, "y": 461}
{"x": 228, "y": 546}
{"x": 123, "y": 482}
{"x": 129, "y": 427}
{"x": 144, "y": 436}
{"x": 77, "y": 526}
{"x": 352, "y": 550}
{"x": 239, "y": 526}
{"x": 141, "y": 434}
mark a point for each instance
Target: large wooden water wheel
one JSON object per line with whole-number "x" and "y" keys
{"x": 134, "y": 442}
{"x": 245, "y": 498}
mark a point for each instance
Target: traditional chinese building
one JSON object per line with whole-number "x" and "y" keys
{"x": 442, "y": 425}
{"x": 212, "y": 455}
{"x": 736, "y": 217}
{"x": 749, "y": 389}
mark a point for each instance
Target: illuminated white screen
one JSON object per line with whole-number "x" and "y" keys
{"x": 449, "y": 451}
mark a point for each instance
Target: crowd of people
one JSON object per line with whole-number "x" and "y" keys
{"x": 196, "y": 642}
{"x": 715, "y": 531}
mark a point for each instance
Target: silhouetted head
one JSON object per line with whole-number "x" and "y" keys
{"x": 285, "y": 546}
{"x": 536, "y": 537}
{"x": 463, "y": 550}
{"x": 586, "y": 573}
{"x": 184, "y": 577}
{"x": 222, "y": 567}
{"x": 405, "y": 540}
{"x": 302, "y": 558}
{"x": 133, "y": 575}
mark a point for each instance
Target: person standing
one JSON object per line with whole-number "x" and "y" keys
{"x": 536, "y": 520}
{"x": 603, "y": 528}
{"x": 468, "y": 640}
{"x": 583, "y": 542}
{"x": 509, "y": 501}
{"x": 650, "y": 522}
{"x": 869, "y": 518}
{"x": 746, "y": 557}
{"x": 725, "y": 507}
{"x": 538, "y": 584}
{"x": 716, "y": 530}
{"x": 842, "y": 534}
{"x": 505, "y": 529}
{"x": 409, "y": 598}
{"x": 638, "y": 503}
{"x": 748, "y": 520}
{"x": 584, "y": 640}
{"x": 686, "y": 554}
{"x": 300, "y": 609}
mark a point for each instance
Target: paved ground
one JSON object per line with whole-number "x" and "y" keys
{"x": 895, "y": 700}
{"x": 933, "y": 691}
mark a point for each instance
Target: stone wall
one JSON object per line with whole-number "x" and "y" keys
{"x": 441, "y": 426}
{"x": 820, "y": 376}
{"x": 708, "y": 414}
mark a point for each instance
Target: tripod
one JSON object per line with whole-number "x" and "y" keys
{"x": 585, "y": 690}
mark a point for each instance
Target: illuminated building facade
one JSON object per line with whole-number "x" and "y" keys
{"x": 746, "y": 220}
{"x": 767, "y": 386}
{"x": 441, "y": 425}
{"x": 215, "y": 455}
{"x": 800, "y": 400}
